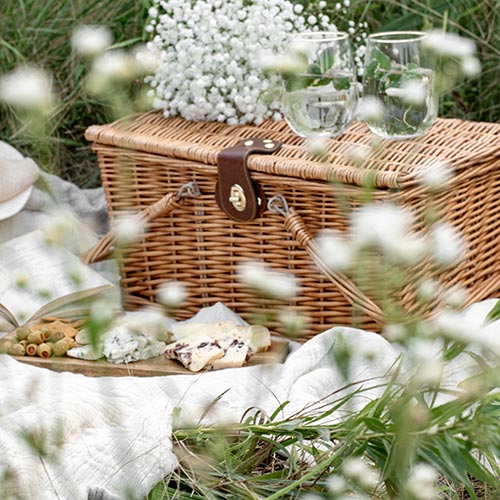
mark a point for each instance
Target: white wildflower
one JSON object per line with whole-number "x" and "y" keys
{"x": 28, "y": 88}
{"x": 428, "y": 289}
{"x": 358, "y": 153}
{"x": 318, "y": 146}
{"x": 101, "y": 312}
{"x": 298, "y": 8}
{"x": 455, "y": 296}
{"x": 172, "y": 294}
{"x": 60, "y": 229}
{"x": 387, "y": 228}
{"x": 116, "y": 65}
{"x": 312, "y": 20}
{"x": 293, "y": 322}
{"x": 449, "y": 44}
{"x": 336, "y": 484}
{"x": 421, "y": 483}
{"x": 395, "y": 332}
{"x": 360, "y": 472}
{"x": 147, "y": 61}
{"x": 448, "y": 246}
{"x": 335, "y": 251}
{"x": 454, "y": 326}
{"x": 435, "y": 174}
{"x": 91, "y": 40}
{"x": 470, "y": 66}
{"x": 128, "y": 229}
{"x": 273, "y": 284}
{"x": 428, "y": 366}
{"x": 370, "y": 109}
{"x": 413, "y": 92}
{"x": 283, "y": 64}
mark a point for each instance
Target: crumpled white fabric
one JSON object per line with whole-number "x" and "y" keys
{"x": 116, "y": 431}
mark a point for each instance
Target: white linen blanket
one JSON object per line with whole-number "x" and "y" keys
{"x": 112, "y": 435}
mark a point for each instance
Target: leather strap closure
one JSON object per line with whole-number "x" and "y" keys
{"x": 235, "y": 193}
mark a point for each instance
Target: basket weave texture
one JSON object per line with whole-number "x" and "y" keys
{"x": 147, "y": 156}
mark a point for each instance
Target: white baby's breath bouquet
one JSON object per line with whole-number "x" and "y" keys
{"x": 211, "y": 54}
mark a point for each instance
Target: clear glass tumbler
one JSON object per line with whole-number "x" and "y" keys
{"x": 320, "y": 99}
{"x": 400, "y": 74}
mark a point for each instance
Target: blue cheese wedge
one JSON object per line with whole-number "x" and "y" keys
{"x": 195, "y": 352}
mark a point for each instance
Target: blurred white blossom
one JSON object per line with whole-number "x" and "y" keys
{"x": 395, "y": 332}
{"x": 428, "y": 366}
{"x": 448, "y": 246}
{"x": 90, "y": 40}
{"x": 128, "y": 229}
{"x": 335, "y": 251}
{"x": 101, "y": 312}
{"x": 357, "y": 470}
{"x": 293, "y": 322}
{"x": 387, "y": 228}
{"x": 456, "y": 296}
{"x": 273, "y": 284}
{"x": 435, "y": 174}
{"x": 28, "y": 88}
{"x": 172, "y": 293}
{"x": 449, "y": 44}
{"x": 470, "y": 66}
{"x": 370, "y": 108}
{"x": 422, "y": 481}
{"x": 456, "y": 327}
{"x": 358, "y": 153}
{"x": 318, "y": 146}
{"x": 428, "y": 289}
{"x": 336, "y": 484}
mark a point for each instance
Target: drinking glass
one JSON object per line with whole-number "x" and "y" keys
{"x": 320, "y": 99}
{"x": 400, "y": 75}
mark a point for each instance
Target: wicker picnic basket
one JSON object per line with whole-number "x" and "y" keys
{"x": 149, "y": 164}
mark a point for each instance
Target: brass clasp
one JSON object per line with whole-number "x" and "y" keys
{"x": 237, "y": 197}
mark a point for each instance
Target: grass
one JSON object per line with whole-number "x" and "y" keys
{"x": 268, "y": 458}
{"x": 39, "y": 33}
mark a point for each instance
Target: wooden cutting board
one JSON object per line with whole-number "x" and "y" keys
{"x": 148, "y": 368}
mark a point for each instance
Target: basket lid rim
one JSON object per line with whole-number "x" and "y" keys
{"x": 388, "y": 164}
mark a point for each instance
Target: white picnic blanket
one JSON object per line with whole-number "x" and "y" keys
{"x": 113, "y": 435}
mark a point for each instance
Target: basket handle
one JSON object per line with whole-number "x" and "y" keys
{"x": 163, "y": 206}
{"x": 300, "y": 232}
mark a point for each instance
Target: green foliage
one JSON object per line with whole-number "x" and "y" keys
{"x": 39, "y": 33}
{"x": 266, "y": 457}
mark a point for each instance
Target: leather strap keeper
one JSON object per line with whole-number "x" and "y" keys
{"x": 235, "y": 193}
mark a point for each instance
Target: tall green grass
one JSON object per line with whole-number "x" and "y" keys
{"x": 38, "y": 32}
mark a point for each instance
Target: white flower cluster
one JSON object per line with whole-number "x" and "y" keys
{"x": 28, "y": 88}
{"x": 388, "y": 229}
{"x": 209, "y": 53}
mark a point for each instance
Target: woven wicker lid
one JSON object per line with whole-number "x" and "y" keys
{"x": 390, "y": 164}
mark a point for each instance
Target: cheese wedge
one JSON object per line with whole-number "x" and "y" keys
{"x": 195, "y": 352}
{"x": 236, "y": 353}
